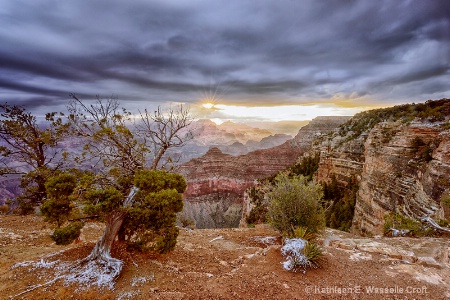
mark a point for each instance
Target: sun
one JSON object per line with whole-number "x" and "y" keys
{"x": 208, "y": 105}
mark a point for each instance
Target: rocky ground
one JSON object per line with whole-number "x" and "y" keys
{"x": 229, "y": 264}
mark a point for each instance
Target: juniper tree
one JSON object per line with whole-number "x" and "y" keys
{"x": 34, "y": 147}
{"x": 127, "y": 190}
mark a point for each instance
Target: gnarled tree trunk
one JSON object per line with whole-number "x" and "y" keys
{"x": 101, "y": 253}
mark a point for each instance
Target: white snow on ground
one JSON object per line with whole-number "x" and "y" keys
{"x": 266, "y": 240}
{"x": 292, "y": 251}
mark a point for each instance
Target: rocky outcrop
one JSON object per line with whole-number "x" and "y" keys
{"x": 401, "y": 167}
{"x": 217, "y": 181}
{"x": 396, "y": 177}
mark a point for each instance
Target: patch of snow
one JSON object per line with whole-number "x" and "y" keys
{"x": 292, "y": 252}
{"x": 399, "y": 232}
{"x": 217, "y": 238}
{"x": 138, "y": 281}
{"x": 360, "y": 256}
{"x": 128, "y": 295}
{"x": 430, "y": 278}
{"x": 266, "y": 240}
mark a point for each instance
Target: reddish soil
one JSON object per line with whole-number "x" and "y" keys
{"x": 206, "y": 264}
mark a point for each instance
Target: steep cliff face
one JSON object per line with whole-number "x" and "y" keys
{"x": 399, "y": 177}
{"x": 400, "y": 166}
{"x": 217, "y": 181}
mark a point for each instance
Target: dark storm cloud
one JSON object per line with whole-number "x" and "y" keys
{"x": 264, "y": 51}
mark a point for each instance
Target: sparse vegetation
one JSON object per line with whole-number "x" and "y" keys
{"x": 66, "y": 235}
{"x": 421, "y": 150}
{"x": 314, "y": 254}
{"x": 301, "y": 232}
{"x": 258, "y": 214}
{"x": 34, "y": 146}
{"x": 409, "y": 226}
{"x": 340, "y": 200}
{"x": 431, "y": 111}
{"x": 307, "y": 166}
{"x": 293, "y": 202}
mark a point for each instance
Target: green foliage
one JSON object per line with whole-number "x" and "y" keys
{"x": 301, "y": 232}
{"x": 295, "y": 202}
{"x": 443, "y": 223}
{"x": 102, "y": 201}
{"x": 307, "y": 167}
{"x": 58, "y": 206}
{"x": 150, "y": 223}
{"x": 400, "y": 222}
{"x": 342, "y": 199}
{"x": 423, "y": 151}
{"x": 446, "y": 200}
{"x": 432, "y": 111}
{"x": 314, "y": 254}
{"x": 258, "y": 214}
{"x": 26, "y": 142}
{"x": 66, "y": 235}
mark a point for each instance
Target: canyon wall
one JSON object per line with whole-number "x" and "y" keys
{"x": 403, "y": 167}
{"x": 217, "y": 181}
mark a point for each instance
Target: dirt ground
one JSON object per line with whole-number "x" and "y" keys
{"x": 211, "y": 264}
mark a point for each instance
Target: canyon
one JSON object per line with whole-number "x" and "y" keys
{"x": 393, "y": 175}
{"x": 217, "y": 181}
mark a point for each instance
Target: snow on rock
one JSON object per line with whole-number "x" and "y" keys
{"x": 292, "y": 252}
{"x": 266, "y": 240}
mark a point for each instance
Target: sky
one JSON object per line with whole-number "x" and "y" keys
{"x": 236, "y": 60}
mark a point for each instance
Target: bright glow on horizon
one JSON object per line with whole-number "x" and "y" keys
{"x": 208, "y": 105}
{"x": 217, "y": 121}
{"x": 223, "y": 112}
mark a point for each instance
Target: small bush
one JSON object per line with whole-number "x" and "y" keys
{"x": 446, "y": 200}
{"x": 409, "y": 226}
{"x": 295, "y": 202}
{"x": 258, "y": 214}
{"x": 302, "y": 233}
{"x": 66, "y": 235}
{"x": 443, "y": 223}
{"x": 4, "y": 209}
{"x": 186, "y": 222}
{"x": 314, "y": 254}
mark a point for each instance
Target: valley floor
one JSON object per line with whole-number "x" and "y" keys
{"x": 230, "y": 264}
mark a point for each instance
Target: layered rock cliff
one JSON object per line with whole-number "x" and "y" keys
{"x": 401, "y": 165}
{"x": 217, "y": 181}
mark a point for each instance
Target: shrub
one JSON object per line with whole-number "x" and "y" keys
{"x": 446, "y": 200}
{"x": 258, "y": 214}
{"x": 4, "y": 209}
{"x": 300, "y": 255}
{"x": 302, "y": 233}
{"x": 405, "y": 225}
{"x": 341, "y": 200}
{"x": 314, "y": 254}
{"x": 293, "y": 202}
{"x": 307, "y": 166}
{"x": 66, "y": 235}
